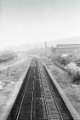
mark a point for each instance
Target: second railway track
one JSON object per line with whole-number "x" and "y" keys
{"x": 38, "y": 98}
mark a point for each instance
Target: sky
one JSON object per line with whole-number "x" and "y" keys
{"x": 34, "y": 21}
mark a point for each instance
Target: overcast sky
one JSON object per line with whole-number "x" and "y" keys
{"x": 31, "y": 21}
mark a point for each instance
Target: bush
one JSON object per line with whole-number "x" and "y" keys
{"x": 62, "y": 60}
{"x": 74, "y": 71}
{"x": 7, "y": 56}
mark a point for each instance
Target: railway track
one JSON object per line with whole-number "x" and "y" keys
{"x": 38, "y": 98}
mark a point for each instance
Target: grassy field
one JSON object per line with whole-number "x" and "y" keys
{"x": 9, "y": 77}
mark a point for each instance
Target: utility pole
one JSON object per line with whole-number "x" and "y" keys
{"x": 45, "y": 44}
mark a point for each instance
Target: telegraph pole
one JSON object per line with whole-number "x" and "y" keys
{"x": 45, "y": 46}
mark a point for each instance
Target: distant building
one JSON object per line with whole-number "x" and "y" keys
{"x": 70, "y": 46}
{"x": 67, "y": 48}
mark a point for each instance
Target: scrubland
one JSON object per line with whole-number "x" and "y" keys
{"x": 10, "y": 75}
{"x": 69, "y": 78}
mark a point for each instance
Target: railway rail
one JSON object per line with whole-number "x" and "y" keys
{"x": 39, "y": 98}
